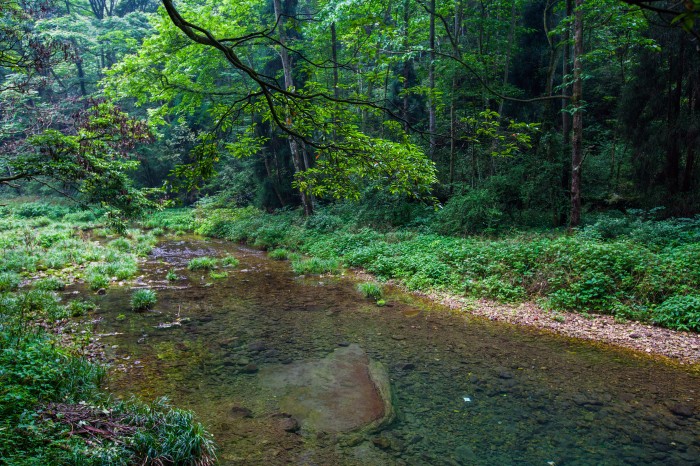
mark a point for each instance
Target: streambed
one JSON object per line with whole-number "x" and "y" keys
{"x": 464, "y": 391}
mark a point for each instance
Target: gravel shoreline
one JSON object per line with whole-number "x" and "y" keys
{"x": 682, "y": 348}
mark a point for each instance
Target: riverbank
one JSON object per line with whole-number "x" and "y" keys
{"x": 619, "y": 292}
{"x": 52, "y": 407}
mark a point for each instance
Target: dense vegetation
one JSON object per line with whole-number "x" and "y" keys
{"x": 630, "y": 266}
{"x": 52, "y": 410}
{"x": 441, "y": 144}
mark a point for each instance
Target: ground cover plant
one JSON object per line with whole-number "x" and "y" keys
{"x": 630, "y": 266}
{"x": 52, "y": 410}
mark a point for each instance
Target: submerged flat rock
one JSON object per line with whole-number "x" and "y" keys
{"x": 343, "y": 392}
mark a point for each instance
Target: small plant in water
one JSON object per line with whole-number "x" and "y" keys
{"x": 315, "y": 266}
{"x": 50, "y": 284}
{"x": 370, "y": 290}
{"x": 278, "y": 254}
{"x": 381, "y": 303}
{"x": 202, "y": 263}
{"x": 143, "y": 299}
{"x": 218, "y": 275}
{"x": 171, "y": 276}
{"x": 230, "y": 261}
{"x": 97, "y": 281}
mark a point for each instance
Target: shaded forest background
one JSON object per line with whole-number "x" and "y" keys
{"x": 462, "y": 105}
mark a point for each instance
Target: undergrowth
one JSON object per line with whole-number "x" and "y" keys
{"x": 631, "y": 267}
{"x": 49, "y": 391}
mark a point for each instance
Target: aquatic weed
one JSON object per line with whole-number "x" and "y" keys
{"x": 202, "y": 263}
{"x": 143, "y": 299}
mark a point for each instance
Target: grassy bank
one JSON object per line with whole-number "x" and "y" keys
{"x": 629, "y": 267}
{"x": 52, "y": 410}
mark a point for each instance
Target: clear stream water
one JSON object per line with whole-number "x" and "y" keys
{"x": 466, "y": 391}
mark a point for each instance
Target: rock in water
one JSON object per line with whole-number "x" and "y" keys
{"x": 343, "y": 392}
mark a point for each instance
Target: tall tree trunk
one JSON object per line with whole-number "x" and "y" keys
{"x": 675, "y": 93}
{"x": 294, "y": 145}
{"x": 334, "y": 57}
{"x": 577, "y": 138}
{"x": 565, "y": 115}
{"x": 511, "y": 36}
{"x": 693, "y": 135}
{"x": 432, "y": 123}
{"x": 406, "y": 64}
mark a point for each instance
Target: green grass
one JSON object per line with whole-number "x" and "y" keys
{"x": 278, "y": 254}
{"x": 316, "y": 266}
{"x": 9, "y": 281}
{"x": 49, "y": 284}
{"x": 370, "y": 290}
{"x": 97, "y": 280}
{"x": 218, "y": 275}
{"x": 171, "y": 276}
{"x": 143, "y": 299}
{"x": 230, "y": 261}
{"x": 202, "y": 263}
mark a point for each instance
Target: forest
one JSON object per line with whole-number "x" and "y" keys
{"x": 527, "y": 161}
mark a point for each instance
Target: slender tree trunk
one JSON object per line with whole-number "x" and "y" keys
{"x": 334, "y": 57}
{"x": 577, "y": 138}
{"x": 511, "y": 36}
{"x": 81, "y": 75}
{"x": 432, "y": 123}
{"x": 675, "y": 93}
{"x": 565, "y": 115}
{"x": 692, "y": 139}
{"x": 294, "y": 144}
{"x": 452, "y": 135}
{"x": 406, "y": 64}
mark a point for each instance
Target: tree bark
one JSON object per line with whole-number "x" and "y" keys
{"x": 577, "y": 137}
{"x": 294, "y": 145}
{"x": 432, "y": 123}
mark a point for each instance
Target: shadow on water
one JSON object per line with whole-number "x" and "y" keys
{"x": 465, "y": 391}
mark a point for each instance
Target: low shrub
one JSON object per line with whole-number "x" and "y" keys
{"x": 680, "y": 312}
{"x": 143, "y": 299}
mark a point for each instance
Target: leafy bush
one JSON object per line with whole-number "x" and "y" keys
{"x": 202, "y": 263}
{"x": 474, "y": 212}
{"x": 680, "y": 312}
{"x": 370, "y": 290}
{"x": 143, "y": 299}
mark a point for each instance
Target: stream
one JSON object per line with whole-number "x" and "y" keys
{"x": 268, "y": 360}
